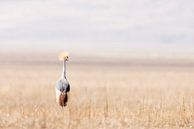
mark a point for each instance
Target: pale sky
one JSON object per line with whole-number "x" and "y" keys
{"x": 103, "y": 26}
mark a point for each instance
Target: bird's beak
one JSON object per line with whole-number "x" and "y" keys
{"x": 67, "y": 58}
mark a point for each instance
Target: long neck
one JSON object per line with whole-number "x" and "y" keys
{"x": 64, "y": 69}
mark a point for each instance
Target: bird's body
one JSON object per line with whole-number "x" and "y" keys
{"x": 62, "y": 87}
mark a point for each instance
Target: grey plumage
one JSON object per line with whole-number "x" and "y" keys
{"x": 62, "y": 87}
{"x": 62, "y": 83}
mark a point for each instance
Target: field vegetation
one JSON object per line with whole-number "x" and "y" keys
{"x": 101, "y": 97}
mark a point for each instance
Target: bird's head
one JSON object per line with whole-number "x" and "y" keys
{"x": 63, "y": 56}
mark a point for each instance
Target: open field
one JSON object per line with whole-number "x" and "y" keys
{"x": 102, "y": 97}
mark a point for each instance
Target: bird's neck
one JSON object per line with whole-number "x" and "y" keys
{"x": 64, "y": 69}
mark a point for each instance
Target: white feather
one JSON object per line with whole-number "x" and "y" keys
{"x": 58, "y": 93}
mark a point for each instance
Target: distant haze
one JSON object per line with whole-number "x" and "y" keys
{"x": 101, "y": 27}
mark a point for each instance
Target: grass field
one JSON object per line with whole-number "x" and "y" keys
{"x": 101, "y": 97}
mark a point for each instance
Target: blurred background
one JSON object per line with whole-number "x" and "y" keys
{"x": 108, "y": 29}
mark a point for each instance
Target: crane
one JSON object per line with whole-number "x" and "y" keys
{"x": 62, "y": 84}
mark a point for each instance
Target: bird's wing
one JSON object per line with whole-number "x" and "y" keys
{"x": 63, "y": 85}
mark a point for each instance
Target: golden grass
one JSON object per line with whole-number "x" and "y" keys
{"x": 101, "y": 97}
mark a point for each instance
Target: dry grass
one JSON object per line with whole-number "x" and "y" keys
{"x": 108, "y": 97}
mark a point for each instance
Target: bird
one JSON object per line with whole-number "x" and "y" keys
{"x": 62, "y": 84}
